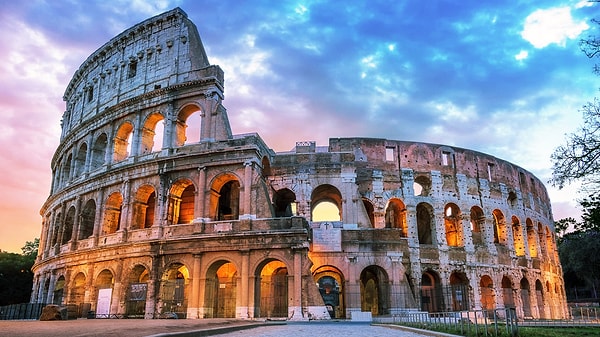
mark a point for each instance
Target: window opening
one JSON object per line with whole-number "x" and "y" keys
{"x": 132, "y": 70}
{"x": 389, "y": 154}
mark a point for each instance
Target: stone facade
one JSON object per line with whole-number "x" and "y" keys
{"x": 147, "y": 218}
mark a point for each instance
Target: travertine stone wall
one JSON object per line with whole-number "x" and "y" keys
{"x": 152, "y": 216}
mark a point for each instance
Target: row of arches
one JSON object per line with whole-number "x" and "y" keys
{"x": 533, "y": 240}
{"x": 168, "y": 295}
{"x": 79, "y": 222}
{"x": 142, "y": 293}
{"x": 129, "y": 138}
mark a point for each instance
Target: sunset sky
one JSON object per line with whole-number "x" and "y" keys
{"x": 502, "y": 77}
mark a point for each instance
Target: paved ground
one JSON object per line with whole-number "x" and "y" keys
{"x": 188, "y": 328}
{"x": 120, "y": 327}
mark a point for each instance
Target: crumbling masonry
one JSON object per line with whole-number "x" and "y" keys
{"x": 147, "y": 218}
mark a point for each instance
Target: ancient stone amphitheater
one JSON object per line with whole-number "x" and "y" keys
{"x": 158, "y": 210}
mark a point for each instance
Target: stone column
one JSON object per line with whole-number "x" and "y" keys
{"x": 246, "y": 202}
{"x": 40, "y": 290}
{"x": 88, "y": 154}
{"x": 116, "y": 300}
{"x": 295, "y": 307}
{"x": 152, "y": 291}
{"x": 99, "y": 216}
{"x": 200, "y": 195}
{"x": 76, "y": 223}
{"x": 193, "y": 307}
{"x": 243, "y": 309}
{"x": 50, "y": 296}
{"x": 353, "y": 304}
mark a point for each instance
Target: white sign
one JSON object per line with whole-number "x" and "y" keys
{"x": 103, "y": 305}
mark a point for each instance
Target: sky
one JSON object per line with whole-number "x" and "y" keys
{"x": 505, "y": 78}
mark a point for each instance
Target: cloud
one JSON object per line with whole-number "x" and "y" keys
{"x": 544, "y": 27}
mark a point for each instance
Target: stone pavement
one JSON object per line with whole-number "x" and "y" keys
{"x": 123, "y": 327}
{"x": 199, "y": 327}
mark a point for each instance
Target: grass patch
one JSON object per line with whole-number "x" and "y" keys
{"x": 522, "y": 331}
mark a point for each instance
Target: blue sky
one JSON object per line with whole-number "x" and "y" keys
{"x": 505, "y": 77}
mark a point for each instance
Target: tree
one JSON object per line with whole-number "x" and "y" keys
{"x": 31, "y": 248}
{"x": 16, "y": 278}
{"x": 579, "y": 158}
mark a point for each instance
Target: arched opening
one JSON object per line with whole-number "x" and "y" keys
{"x": 152, "y": 133}
{"x": 68, "y": 226}
{"x": 80, "y": 160}
{"x": 66, "y": 170}
{"x": 432, "y": 299}
{"x": 453, "y": 225}
{"x": 542, "y": 240}
{"x": 518, "y": 241}
{"x": 221, "y": 290}
{"x": 422, "y": 186}
{"x": 122, "y": 142}
{"x": 229, "y": 201}
{"x": 77, "y": 293}
{"x": 86, "y": 223}
{"x": 395, "y": 216}
{"x": 459, "y": 288}
{"x": 137, "y": 289}
{"x": 525, "y": 297}
{"x": 507, "y": 292}
{"x": 181, "y": 202}
{"x": 99, "y": 152}
{"x": 59, "y": 291}
{"x": 188, "y": 126}
{"x": 499, "y": 227}
{"x": 488, "y": 297}
{"x": 331, "y": 287}
{"x": 326, "y": 203}
{"x": 144, "y": 207}
{"x": 104, "y": 288}
{"x": 477, "y": 223}
{"x": 531, "y": 238}
{"x": 284, "y": 202}
{"x": 539, "y": 295}
{"x": 225, "y": 197}
{"x": 272, "y": 290}
{"x": 174, "y": 291}
{"x": 370, "y": 209}
{"x": 374, "y": 291}
{"x": 266, "y": 166}
{"x": 112, "y": 213}
{"x": 425, "y": 225}
{"x": 56, "y": 229}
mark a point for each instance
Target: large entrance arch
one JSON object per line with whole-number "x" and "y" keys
{"x": 173, "y": 294}
{"x": 271, "y": 290}
{"x": 459, "y": 286}
{"x": 221, "y": 290}
{"x": 77, "y": 292}
{"x": 331, "y": 287}
{"x": 488, "y": 297}
{"x": 137, "y": 289}
{"x": 432, "y": 299}
{"x": 374, "y": 291}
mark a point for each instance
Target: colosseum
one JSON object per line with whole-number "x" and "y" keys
{"x": 157, "y": 209}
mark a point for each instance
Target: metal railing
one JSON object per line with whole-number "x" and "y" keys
{"x": 21, "y": 311}
{"x": 499, "y": 322}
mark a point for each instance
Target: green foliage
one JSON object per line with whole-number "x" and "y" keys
{"x": 16, "y": 278}
{"x": 579, "y": 256}
{"x": 31, "y": 248}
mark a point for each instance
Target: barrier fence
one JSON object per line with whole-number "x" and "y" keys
{"x": 21, "y": 311}
{"x": 492, "y": 323}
